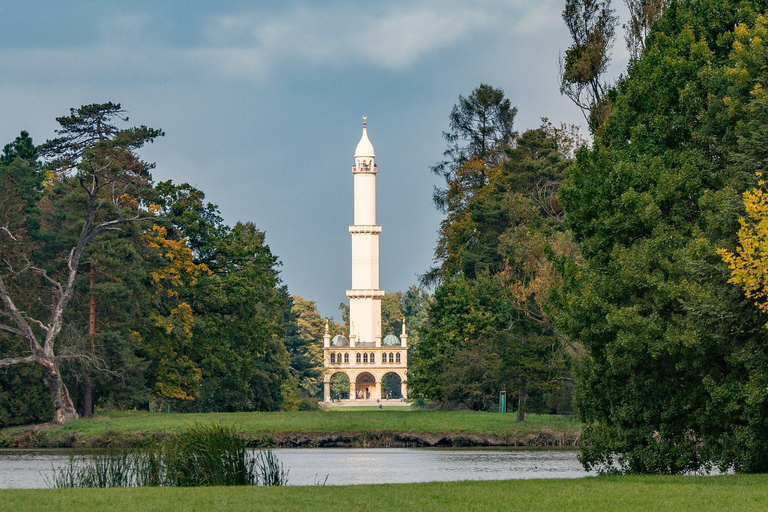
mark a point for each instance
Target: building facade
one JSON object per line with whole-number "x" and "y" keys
{"x": 367, "y": 359}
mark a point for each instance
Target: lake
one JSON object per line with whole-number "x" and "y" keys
{"x": 345, "y": 466}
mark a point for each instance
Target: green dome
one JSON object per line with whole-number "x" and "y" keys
{"x": 339, "y": 341}
{"x": 391, "y": 339}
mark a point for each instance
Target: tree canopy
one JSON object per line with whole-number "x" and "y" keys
{"x": 675, "y": 374}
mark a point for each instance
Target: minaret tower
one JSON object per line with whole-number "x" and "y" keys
{"x": 365, "y": 295}
{"x": 374, "y": 369}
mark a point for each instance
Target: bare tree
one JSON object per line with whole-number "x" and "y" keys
{"x": 93, "y": 154}
{"x": 642, "y": 15}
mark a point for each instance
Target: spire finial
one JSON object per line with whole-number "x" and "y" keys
{"x": 326, "y": 327}
{"x": 365, "y": 121}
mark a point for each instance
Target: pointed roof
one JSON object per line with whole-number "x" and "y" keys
{"x": 364, "y": 147}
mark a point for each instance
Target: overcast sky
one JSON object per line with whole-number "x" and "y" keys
{"x": 261, "y": 103}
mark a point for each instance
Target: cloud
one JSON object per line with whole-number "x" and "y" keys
{"x": 252, "y": 45}
{"x": 393, "y": 37}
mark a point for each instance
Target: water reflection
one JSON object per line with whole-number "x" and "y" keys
{"x": 32, "y": 469}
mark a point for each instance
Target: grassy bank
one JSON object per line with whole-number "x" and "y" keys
{"x": 314, "y": 428}
{"x": 680, "y": 494}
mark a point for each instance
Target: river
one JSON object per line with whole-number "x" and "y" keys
{"x": 345, "y": 466}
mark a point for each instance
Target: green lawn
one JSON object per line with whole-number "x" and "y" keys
{"x": 678, "y": 494}
{"x": 256, "y": 423}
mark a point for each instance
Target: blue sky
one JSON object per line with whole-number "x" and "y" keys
{"x": 261, "y": 103}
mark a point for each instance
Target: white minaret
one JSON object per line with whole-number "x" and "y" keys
{"x": 365, "y": 295}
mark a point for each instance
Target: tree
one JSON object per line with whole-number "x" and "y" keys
{"x": 480, "y": 128}
{"x": 674, "y": 375}
{"x": 97, "y": 155}
{"x": 592, "y": 26}
{"x": 305, "y": 346}
{"x": 22, "y": 395}
{"x": 496, "y": 251}
{"x": 238, "y": 306}
{"x": 642, "y": 15}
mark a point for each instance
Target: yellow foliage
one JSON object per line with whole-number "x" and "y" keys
{"x": 181, "y": 269}
{"x": 177, "y": 376}
{"x": 127, "y": 200}
{"x": 749, "y": 264}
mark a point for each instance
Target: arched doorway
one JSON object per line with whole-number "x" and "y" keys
{"x": 365, "y": 384}
{"x": 390, "y": 386}
{"x": 339, "y": 386}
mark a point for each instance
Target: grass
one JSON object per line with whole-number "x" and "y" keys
{"x": 210, "y": 455}
{"x": 348, "y": 421}
{"x": 662, "y": 493}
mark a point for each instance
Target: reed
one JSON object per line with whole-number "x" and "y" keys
{"x": 201, "y": 455}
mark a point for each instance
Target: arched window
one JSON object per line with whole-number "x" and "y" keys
{"x": 373, "y": 358}
{"x": 365, "y": 357}
{"x": 391, "y": 357}
{"x": 397, "y": 357}
{"x": 346, "y": 358}
{"x": 333, "y": 358}
{"x": 358, "y": 357}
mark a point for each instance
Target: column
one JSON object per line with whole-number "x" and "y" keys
{"x": 378, "y": 390}
{"x": 352, "y": 390}
{"x": 404, "y": 389}
{"x": 327, "y": 391}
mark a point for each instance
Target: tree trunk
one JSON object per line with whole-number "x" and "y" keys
{"x": 88, "y": 395}
{"x": 88, "y": 398}
{"x": 520, "y": 409}
{"x": 63, "y": 408}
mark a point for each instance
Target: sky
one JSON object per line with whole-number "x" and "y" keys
{"x": 261, "y": 104}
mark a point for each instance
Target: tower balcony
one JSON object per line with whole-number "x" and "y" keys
{"x": 365, "y": 294}
{"x": 359, "y": 230}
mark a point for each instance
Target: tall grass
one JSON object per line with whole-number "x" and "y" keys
{"x": 200, "y": 455}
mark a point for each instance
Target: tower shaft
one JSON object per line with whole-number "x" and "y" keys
{"x": 365, "y": 295}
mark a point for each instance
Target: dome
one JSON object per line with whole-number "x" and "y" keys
{"x": 339, "y": 341}
{"x": 364, "y": 147}
{"x": 391, "y": 339}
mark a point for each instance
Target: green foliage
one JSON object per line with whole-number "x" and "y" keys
{"x": 480, "y": 128}
{"x": 304, "y": 341}
{"x": 238, "y": 307}
{"x": 339, "y": 386}
{"x": 675, "y": 379}
{"x": 391, "y": 386}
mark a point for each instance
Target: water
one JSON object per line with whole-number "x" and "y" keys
{"x": 343, "y": 466}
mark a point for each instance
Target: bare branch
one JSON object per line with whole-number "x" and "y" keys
{"x": 11, "y": 361}
{"x": 36, "y": 322}
{"x": 45, "y": 276}
{"x": 12, "y": 330}
{"x": 18, "y": 318}
{"x": 8, "y": 232}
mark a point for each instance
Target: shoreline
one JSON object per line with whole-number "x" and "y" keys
{"x": 309, "y": 429}
{"x": 36, "y": 438}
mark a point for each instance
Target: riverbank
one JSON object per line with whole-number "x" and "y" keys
{"x": 678, "y": 493}
{"x": 310, "y": 429}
